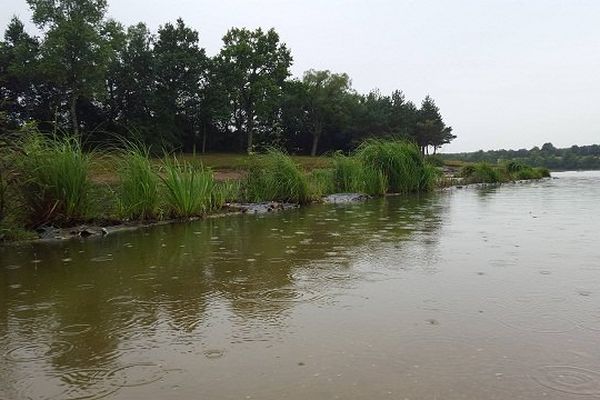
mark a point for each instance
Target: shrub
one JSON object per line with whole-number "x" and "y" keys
{"x": 274, "y": 176}
{"x": 189, "y": 189}
{"x": 138, "y": 193}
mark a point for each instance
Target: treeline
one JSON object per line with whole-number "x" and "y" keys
{"x": 548, "y": 156}
{"x": 92, "y": 76}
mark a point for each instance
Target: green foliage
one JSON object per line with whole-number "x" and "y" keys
{"x": 189, "y": 189}
{"x": 570, "y": 158}
{"x": 275, "y": 176}
{"x": 400, "y": 162}
{"x": 481, "y": 173}
{"x": 374, "y": 181}
{"x": 138, "y": 192}
{"x": 543, "y": 172}
{"x": 77, "y": 46}
{"x": 224, "y": 192}
{"x": 57, "y": 183}
{"x": 87, "y": 71}
{"x": 348, "y": 174}
{"x": 321, "y": 182}
{"x": 253, "y": 66}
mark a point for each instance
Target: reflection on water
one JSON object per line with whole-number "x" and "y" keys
{"x": 465, "y": 294}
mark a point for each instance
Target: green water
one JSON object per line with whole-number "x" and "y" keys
{"x": 466, "y": 294}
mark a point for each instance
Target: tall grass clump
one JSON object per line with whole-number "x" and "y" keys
{"x": 321, "y": 182}
{"x": 543, "y": 172}
{"x": 56, "y": 180}
{"x": 347, "y": 174}
{"x": 139, "y": 187}
{"x": 351, "y": 175}
{"x": 225, "y": 192}
{"x": 481, "y": 173}
{"x": 274, "y": 176}
{"x": 188, "y": 189}
{"x": 516, "y": 170}
{"x": 400, "y": 162}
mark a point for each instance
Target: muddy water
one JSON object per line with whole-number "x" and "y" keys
{"x": 468, "y": 294}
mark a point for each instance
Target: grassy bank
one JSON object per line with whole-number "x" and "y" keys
{"x": 53, "y": 181}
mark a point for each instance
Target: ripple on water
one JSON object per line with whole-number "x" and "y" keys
{"x": 102, "y": 258}
{"x": 145, "y": 277}
{"x": 75, "y": 329}
{"x": 88, "y": 384}
{"x": 539, "y": 323}
{"x": 214, "y": 353}
{"x": 134, "y": 375}
{"x": 40, "y": 351}
{"x": 568, "y": 379}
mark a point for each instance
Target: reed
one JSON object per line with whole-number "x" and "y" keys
{"x": 188, "y": 189}
{"x": 56, "y": 187}
{"x": 139, "y": 187}
{"x": 400, "y": 162}
{"x": 274, "y": 176}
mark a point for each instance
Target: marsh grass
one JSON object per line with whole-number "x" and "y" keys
{"x": 321, "y": 182}
{"x": 482, "y": 173}
{"x": 139, "y": 186}
{"x": 225, "y": 192}
{"x": 274, "y": 176}
{"x": 400, "y": 162}
{"x": 56, "y": 187}
{"x": 348, "y": 174}
{"x": 510, "y": 171}
{"x": 516, "y": 170}
{"x": 188, "y": 189}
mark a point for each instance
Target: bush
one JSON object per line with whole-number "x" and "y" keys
{"x": 275, "y": 177}
{"x": 138, "y": 193}
{"x": 400, "y": 162}
{"x": 481, "y": 173}
{"x": 189, "y": 189}
{"x": 56, "y": 180}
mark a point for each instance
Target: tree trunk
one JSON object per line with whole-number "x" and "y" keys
{"x": 250, "y": 128}
{"x": 74, "y": 119}
{"x": 316, "y": 133}
{"x": 204, "y": 138}
{"x": 315, "y": 145}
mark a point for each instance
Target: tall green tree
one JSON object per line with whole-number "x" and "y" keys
{"x": 431, "y": 129}
{"x": 76, "y": 49}
{"x": 254, "y": 65}
{"x": 19, "y": 69}
{"x": 326, "y": 98}
{"x": 180, "y": 73}
{"x": 131, "y": 81}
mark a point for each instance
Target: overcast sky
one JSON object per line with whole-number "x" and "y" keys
{"x": 506, "y": 74}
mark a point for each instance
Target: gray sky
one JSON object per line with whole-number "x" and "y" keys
{"x": 506, "y": 74}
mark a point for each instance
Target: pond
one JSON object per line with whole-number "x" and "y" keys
{"x": 469, "y": 293}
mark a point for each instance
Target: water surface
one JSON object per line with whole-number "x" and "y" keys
{"x": 468, "y": 294}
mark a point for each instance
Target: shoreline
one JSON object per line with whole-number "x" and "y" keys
{"x": 94, "y": 231}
